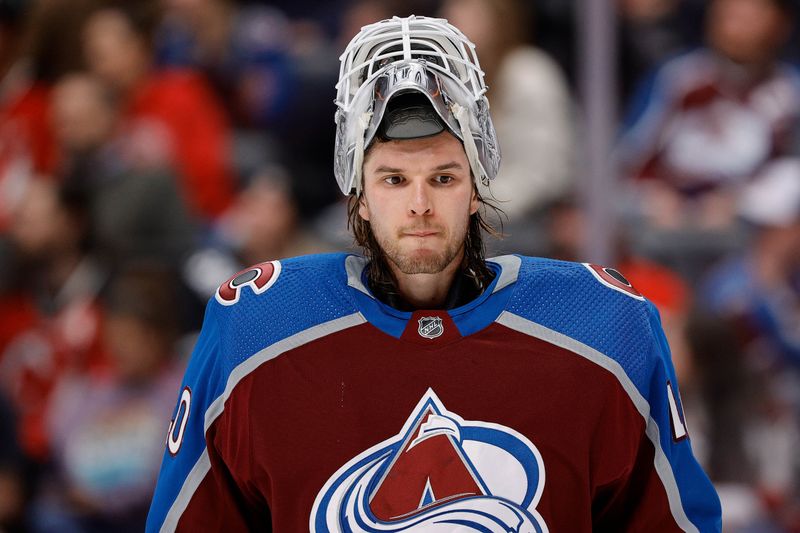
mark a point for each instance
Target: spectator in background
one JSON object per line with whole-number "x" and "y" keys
{"x": 52, "y": 306}
{"x": 245, "y": 51}
{"x": 172, "y": 108}
{"x": 531, "y": 109}
{"x": 38, "y": 42}
{"x": 262, "y": 225}
{"x": 20, "y": 115}
{"x": 652, "y": 31}
{"x": 107, "y": 429}
{"x": 747, "y": 344}
{"x": 137, "y": 210}
{"x": 708, "y": 122}
{"x": 255, "y": 62}
{"x": 276, "y": 76}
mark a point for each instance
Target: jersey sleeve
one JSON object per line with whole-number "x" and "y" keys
{"x": 196, "y": 491}
{"x": 671, "y": 467}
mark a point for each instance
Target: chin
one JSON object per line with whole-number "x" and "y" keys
{"x": 422, "y": 261}
{"x": 420, "y": 268}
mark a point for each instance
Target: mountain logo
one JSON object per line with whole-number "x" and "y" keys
{"x": 438, "y": 474}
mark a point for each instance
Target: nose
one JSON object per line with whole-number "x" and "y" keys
{"x": 420, "y": 201}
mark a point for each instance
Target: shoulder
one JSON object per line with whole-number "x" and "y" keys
{"x": 262, "y": 312}
{"x": 695, "y": 61}
{"x": 548, "y": 288}
{"x": 286, "y": 283}
{"x": 589, "y": 307}
{"x": 576, "y": 279}
{"x": 679, "y": 73}
{"x": 660, "y": 88}
{"x": 271, "y": 301}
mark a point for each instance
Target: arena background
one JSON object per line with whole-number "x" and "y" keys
{"x": 150, "y": 149}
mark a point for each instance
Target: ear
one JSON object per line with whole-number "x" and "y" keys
{"x": 474, "y": 203}
{"x": 363, "y": 211}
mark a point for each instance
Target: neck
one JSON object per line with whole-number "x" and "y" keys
{"x": 427, "y": 291}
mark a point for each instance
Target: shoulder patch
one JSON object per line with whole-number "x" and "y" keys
{"x": 612, "y": 279}
{"x": 258, "y": 277}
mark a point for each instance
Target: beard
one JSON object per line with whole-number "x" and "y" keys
{"x": 429, "y": 260}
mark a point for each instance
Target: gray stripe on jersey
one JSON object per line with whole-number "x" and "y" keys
{"x": 661, "y": 463}
{"x": 354, "y": 265}
{"x": 509, "y": 270}
{"x": 203, "y": 464}
{"x": 193, "y": 480}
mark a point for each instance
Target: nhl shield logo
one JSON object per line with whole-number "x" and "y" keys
{"x": 430, "y": 327}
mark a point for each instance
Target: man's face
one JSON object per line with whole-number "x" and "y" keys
{"x": 747, "y": 31}
{"x": 82, "y": 118}
{"x": 113, "y": 50}
{"x": 418, "y": 197}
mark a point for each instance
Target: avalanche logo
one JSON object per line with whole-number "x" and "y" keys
{"x": 439, "y": 474}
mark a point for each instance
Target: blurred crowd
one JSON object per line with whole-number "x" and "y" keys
{"x": 151, "y": 148}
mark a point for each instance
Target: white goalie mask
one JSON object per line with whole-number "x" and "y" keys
{"x": 420, "y": 55}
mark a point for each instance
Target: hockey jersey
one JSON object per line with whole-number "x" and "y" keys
{"x": 548, "y": 403}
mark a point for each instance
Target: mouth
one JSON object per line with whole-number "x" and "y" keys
{"x": 421, "y": 233}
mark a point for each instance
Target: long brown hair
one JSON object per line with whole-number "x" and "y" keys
{"x": 379, "y": 274}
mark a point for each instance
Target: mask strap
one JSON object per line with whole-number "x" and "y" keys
{"x": 358, "y": 155}
{"x": 462, "y": 116}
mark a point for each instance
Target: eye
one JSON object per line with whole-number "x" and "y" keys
{"x": 444, "y": 179}
{"x": 393, "y": 180}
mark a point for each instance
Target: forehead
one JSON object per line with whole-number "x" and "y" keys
{"x": 417, "y": 153}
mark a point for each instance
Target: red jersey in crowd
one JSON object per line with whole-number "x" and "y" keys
{"x": 178, "y": 111}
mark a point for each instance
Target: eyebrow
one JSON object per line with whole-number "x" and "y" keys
{"x": 452, "y": 165}
{"x": 383, "y": 169}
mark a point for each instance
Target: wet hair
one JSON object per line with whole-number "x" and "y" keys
{"x": 378, "y": 271}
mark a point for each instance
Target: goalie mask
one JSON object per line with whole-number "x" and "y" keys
{"x": 411, "y": 77}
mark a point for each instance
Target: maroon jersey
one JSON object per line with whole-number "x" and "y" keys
{"x": 549, "y": 403}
